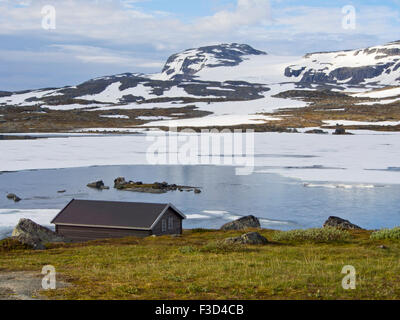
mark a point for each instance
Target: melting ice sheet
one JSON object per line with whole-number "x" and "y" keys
{"x": 365, "y": 157}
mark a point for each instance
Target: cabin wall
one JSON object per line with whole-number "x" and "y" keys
{"x": 177, "y": 224}
{"x": 80, "y": 234}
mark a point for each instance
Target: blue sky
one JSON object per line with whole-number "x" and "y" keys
{"x": 100, "y": 37}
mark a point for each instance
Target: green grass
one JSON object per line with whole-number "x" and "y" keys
{"x": 386, "y": 234}
{"x": 312, "y": 235}
{"x": 10, "y": 244}
{"x": 198, "y": 266}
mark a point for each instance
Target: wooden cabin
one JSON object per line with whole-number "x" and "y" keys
{"x": 83, "y": 220}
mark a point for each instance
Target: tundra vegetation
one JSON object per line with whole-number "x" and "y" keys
{"x": 322, "y": 105}
{"x": 200, "y": 265}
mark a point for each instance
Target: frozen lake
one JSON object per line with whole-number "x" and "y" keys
{"x": 280, "y": 203}
{"x": 298, "y": 180}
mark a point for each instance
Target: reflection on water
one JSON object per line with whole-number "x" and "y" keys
{"x": 281, "y": 203}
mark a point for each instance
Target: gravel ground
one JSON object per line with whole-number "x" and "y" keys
{"x": 22, "y": 285}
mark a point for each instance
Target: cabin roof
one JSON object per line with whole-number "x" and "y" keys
{"x": 111, "y": 214}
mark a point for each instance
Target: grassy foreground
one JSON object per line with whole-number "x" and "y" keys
{"x": 195, "y": 266}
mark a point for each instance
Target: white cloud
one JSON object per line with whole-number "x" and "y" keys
{"x": 99, "y": 55}
{"x": 247, "y": 12}
{"x": 120, "y": 33}
{"x": 122, "y": 22}
{"x": 86, "y": 54}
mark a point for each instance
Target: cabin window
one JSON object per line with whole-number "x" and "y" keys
{"x": 164, "y": 225}
{"x": 170, "y": 223}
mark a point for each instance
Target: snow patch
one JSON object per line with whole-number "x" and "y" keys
{"x": 115, "y": 116}
{"x": 210, "y": 121}
{"x": 331, "y": 123}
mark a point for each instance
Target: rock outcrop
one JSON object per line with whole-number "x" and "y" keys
{"x": 156, "y": 187}
{"x": 340, "y": 130}
{"x": 120, "y": 183}
{"x": 30, "y": 242}
{"x": 242, "y": 224}
{"x": 35, "y": 235}
{"x": 340, "y": 67}
{"x": 98, "y": 185}
{"x": 316, "y": 131}
{"x": 14, "y": 197}
{"x": 252, "y": 238}
{"x": 340, "y": 223}
{"x": 186, "y": 64}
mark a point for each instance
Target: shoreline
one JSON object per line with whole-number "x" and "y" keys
{"x": 306, "y": 182}
{"x": 204, "y": 210}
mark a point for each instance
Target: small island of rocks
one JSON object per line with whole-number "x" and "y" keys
{"x": 139, "y": 186}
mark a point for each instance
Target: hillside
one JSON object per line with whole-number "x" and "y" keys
{"x": 375, "y": 66}
{"x": 228, "y": 84}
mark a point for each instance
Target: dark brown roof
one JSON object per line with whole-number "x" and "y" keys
{"x": 131, "y": 215}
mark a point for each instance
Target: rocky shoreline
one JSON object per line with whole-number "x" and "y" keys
{"x": 30, "y": 235}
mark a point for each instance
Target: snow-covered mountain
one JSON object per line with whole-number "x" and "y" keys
{"x": 216, "y": 75}
{"x": 187, "y": 63}
{"x": 175, "y": 84}
{"x": 371, "y": 66}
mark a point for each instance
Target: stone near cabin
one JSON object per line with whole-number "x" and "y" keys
{"x": 14, "y": 197}
{"x": 35, "y": 235}
{"x": 336, "y": 222}
{"x": 253, "y": 238}
{"x": 197, "y": 191}
{"x": 30, "y": 242}
{"x": 98, "y": 185}
{"x": 242, "y": 224}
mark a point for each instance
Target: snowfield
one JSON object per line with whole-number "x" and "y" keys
{"x": 383, "y": 93}
{"x": 369, "y": 157}
{"x": 217, "y": 121}
{"x": 115, "y": 116}
{"x": 265, "y": 69}
{"x": 379, "y": 102}
{"x": 19, "y": 98}
{"x": 112, "y": 93}
{"x": 360, "y": 123}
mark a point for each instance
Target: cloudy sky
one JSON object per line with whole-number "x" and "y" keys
{"x": 101, "y": 37}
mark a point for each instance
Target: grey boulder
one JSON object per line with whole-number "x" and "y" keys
{"x": 14, "y": 197}
{"x": 336, "y": 222}
{"x": 98, "y": 185}
{"x": 31, "y": 242}
{"x": 35, "y": 235}
{"x": 248, "y": 238}
{"x": 242, "y": 224}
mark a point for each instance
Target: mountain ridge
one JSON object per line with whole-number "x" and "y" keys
{"x": 179, "y": 79}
